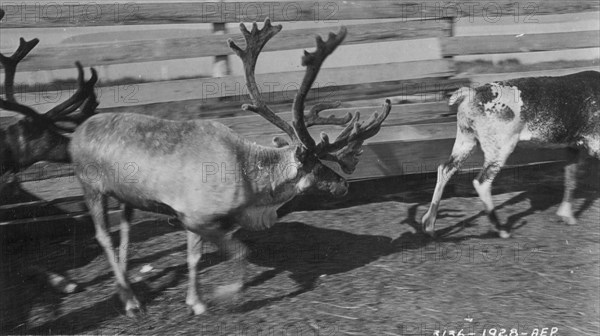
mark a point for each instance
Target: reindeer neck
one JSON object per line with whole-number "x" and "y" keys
{"x": 272, "y": 171}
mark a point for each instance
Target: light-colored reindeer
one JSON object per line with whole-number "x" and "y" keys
{"x": 40, "y": 137}
{"x": 561, "y": 110}
{"x": 172, "y": 159}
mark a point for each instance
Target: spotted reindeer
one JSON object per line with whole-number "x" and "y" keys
{"x": 171, "y": 157}
{"x": 561, "y": 110}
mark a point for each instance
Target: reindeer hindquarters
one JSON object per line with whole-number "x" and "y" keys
{"x": 592, "y": 143}
{"x": 496, "y": 151}
{"x": 97, "y": 204}
{"x": 463, "y": 146}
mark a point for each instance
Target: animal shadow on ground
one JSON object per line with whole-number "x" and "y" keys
{"x": 308, "y": 252}
{"x": 24, "y": 289}
{"x": 24, "y": 255}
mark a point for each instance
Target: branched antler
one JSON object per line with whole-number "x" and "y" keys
{"x": 255, "y": 41}
{"x": 84, "y": 90}
{"x": 313, "y": 118}
{"x": 84, "y": 95}
{"x": 10, "y": 66}
{"x": 346, "y": 148}
{"x": 312, "y": 62}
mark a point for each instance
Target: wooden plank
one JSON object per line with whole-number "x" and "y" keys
{"x": 399, "y": 115}
{"x": 481, "y": 79}
{"x": 96, "y": 54}
{"x": 496, "y": 44}
{"x": 280, "y": 102}
{"x": 41, "y": 14}
{"x": 388, "y": 133}
{"x": 235, "y": 86}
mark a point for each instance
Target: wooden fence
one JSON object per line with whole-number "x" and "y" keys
{"x": 413, "y": 140}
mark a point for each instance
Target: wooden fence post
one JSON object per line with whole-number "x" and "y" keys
{"x": 221, "y": 63}
{"x": 452, "y": 19}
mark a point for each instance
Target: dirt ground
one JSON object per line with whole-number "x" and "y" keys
{"x": 352, "y": 267}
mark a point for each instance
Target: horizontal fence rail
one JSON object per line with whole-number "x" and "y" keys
{"x": 60, "y": 56}
{"x": 43, "y": 14}
{"x": 497, "y": 44}
{"x": 270, "y": 83}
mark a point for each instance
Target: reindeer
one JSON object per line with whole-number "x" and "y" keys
{"x": 173, "y": 176}
{"x": 40, "y": 137}
{"x": 563, "y": 111}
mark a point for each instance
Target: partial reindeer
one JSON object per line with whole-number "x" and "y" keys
{"x": 562, "y": 110}
{"x": 40, "y": 136}
{"x": 176, "y": 163}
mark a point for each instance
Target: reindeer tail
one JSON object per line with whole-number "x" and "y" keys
{"x": 458, "y": 97}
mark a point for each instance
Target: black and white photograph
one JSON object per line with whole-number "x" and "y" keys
{"x": 300, "y": 168}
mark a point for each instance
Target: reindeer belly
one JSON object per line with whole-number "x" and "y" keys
{"x": 548, "y": 134}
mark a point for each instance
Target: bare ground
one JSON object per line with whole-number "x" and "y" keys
{"x": 352, "y": 267}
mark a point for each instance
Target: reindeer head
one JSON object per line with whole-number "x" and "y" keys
{"x": 347, "y": 147}
{"x": 41, "y": 136}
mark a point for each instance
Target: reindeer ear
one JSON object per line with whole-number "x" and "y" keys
{"x": 301, "y": 153}
{"x": 280, "y": 142}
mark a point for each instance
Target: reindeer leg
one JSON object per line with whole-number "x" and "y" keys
{"x": 97, "y": 204}
{"x": 494, "y": 160}
{"x": 565, "y": 210}
{"x": 126, "y": 214}
{"x": 463, "y": 146}
{"x": 219, "y": 232}
{"x": 235, "y": 251}
{"x": 194, "y": 253}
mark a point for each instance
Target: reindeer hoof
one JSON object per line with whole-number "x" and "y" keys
{"x": 196, "y": 309}
{"x": 569, "y": 220}
{"x": 429, "y": 232}
{"x": 133, "y": 308}
{"x": 134, "y": 312}
{"x": 504, "y": 234}
{"x": 565, "y": 212}
{"x": 426, "y": 226}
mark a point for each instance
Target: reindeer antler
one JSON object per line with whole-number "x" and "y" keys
{"x": 10, "y": 69}
{"x": 313, "y": 118}
{"x": 84, "y": 90}
{"x": 255, "y": 41}
{"x": 85, "y": 93}
{"x": 312, "y": 62}
{"x": 346, "y": 148}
